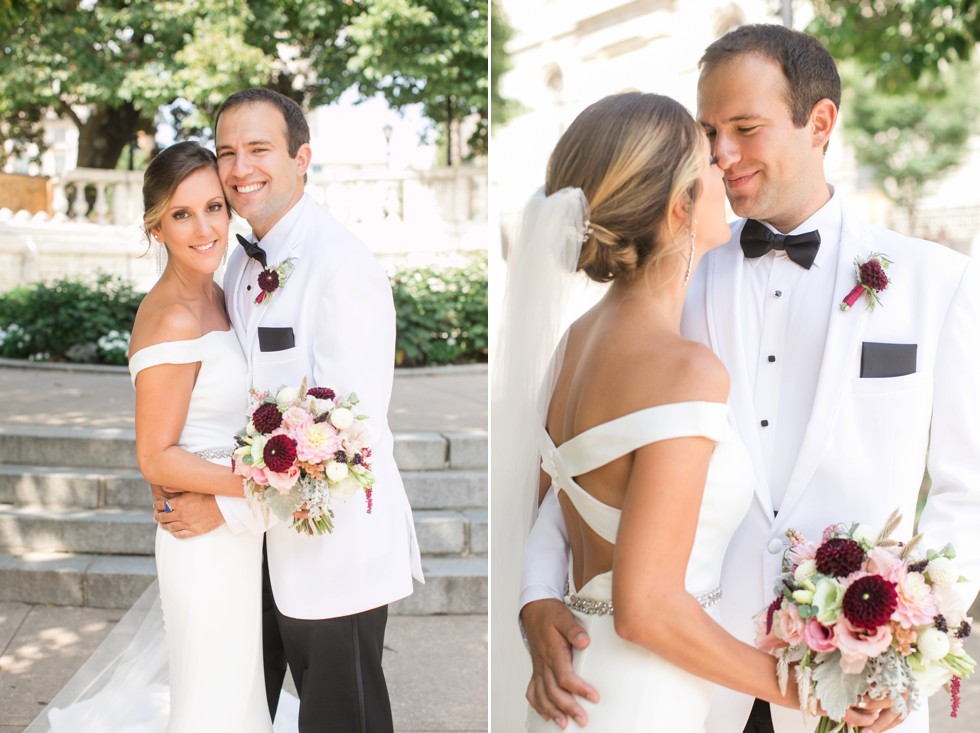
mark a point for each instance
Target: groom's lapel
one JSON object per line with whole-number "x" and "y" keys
{"x": 844, "y": 335}
{"x": 723, "y": 293}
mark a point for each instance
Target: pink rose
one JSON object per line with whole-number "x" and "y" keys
{"x": 818, "y": 637}
{"x": 285, "y": 481}
{"x": 768, "y": 643}
{"x": 790, "y": 625}
{"x": 295, "y": 418}
{"x": 857, "y": 646}
{"x": 882, "y": 561}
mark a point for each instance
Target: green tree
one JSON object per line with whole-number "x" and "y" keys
{"x": 110, "y": 66}
{"x": 898, "y": 40}
{"x": 911, "y": 138}
{"x": 428, "y": 52}
{"x": 501, "y": 108}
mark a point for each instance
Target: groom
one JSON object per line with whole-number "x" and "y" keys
{"x": 842, "y": 412}
{"x": 331, "y": 322}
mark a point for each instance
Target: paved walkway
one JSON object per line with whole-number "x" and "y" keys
{"x": 436, "y": 665}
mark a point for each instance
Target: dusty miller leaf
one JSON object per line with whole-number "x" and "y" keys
{"x": 835, "y": 690}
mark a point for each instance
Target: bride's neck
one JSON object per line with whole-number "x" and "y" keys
{"x": 659, "y": 298}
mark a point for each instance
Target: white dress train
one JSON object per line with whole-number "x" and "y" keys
{"x": 638, "y": 690}
{"x": 205, "y": 674}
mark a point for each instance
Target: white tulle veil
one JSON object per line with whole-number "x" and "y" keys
{"x": 125, "y": 678}
{"x": 542, "y": 296}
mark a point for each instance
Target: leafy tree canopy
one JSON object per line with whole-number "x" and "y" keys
{"x": 899, "y": 40}
{"x": 111, "y": 65}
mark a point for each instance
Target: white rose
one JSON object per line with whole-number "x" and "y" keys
{"x": 345, "y": 489}
{"x": 805, "y": 570}
{"x": 933, "y": 645}
{"x": 322, "y": 406}
{"x": 287, "y": 395}
{"x": 337, "y": 471}
{"x": 942, "y": 571}
{"x": 341, "y": 418}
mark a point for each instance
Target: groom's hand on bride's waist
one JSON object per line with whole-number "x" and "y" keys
{"x": 552, "y": 631}
{"x": 187, "y": 514}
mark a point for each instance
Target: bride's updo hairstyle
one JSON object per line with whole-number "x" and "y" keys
{"x": 165, "y": 172}
{"x": 633, "y": 155}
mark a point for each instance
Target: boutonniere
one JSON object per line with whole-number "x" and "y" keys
{"x": 871, "y": 280}
{"x": 273, "y": 278}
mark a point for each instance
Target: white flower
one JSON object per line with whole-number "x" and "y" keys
{"x": 803, "y": 597}
{"x": 933, "y": 645}
{"x": 942, "y": 571}
{"x": 864, "y": 534}
{"x": 258, "y": 450}
{"x": 322, "y": 406}
{"x": 805, "y": 570}
{"x": 341, "y": 418}
{"x": 287, "y": 395}
{"x": 345, "y": 489}
{"x": 337, "y": 471}
{"x": 828, "y": 599}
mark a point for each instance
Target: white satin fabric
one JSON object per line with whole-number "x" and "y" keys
{"x": 639, "y": 691}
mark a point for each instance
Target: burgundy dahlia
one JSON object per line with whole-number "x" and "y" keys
{"x": 280, "y": 453}
{"x": 873, "y": 275}
{"x": 321, "y": 393}
{"x": 870, "y": 602}
{"x": 269, "y": 281}
{"x": 267, "y": 418}
{"x": 839, "y": 557}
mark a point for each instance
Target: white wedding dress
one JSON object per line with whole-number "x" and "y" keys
{"x": 638, "y": 690}
{"x": 210, "y": 676}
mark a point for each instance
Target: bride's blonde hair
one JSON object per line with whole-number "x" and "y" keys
{"x": 633, "y": 155}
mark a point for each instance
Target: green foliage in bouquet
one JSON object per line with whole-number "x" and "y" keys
{"x": 73, "y": 319}
{"x": 442, "y": 314}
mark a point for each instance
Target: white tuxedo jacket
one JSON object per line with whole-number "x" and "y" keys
{"x": 338, "y": 303}
{"x": 868, "y": 441}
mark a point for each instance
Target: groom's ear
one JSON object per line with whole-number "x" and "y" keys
{"x": 303, "y": 156}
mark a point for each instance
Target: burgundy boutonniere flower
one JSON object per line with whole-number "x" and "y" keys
{"x": 871, "y": 280}
{"x": 273, "y": 278}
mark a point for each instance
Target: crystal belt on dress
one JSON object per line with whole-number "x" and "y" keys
{"x": 214, "y": 453}
{"x": 593, "y": 607}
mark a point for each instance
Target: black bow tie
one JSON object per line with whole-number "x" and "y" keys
{"x": 252, "y": 249}
{"x": 757, "y": 239}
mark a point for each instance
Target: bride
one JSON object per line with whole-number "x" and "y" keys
{"x": 638, "y": 447}
{"x": 191, "y": 392}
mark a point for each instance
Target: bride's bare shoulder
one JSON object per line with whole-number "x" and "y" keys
{"x": 674, "y": 370}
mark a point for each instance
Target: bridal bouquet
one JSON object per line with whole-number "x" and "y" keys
{"x": 862, "y": 614}
{"x": 301, "y": 450}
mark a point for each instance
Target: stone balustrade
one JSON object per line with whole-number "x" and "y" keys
{"x": 94, "y": 224}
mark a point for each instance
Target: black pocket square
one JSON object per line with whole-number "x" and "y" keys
{"x": 887, "y": 360}
{"x": 276, "y": 339}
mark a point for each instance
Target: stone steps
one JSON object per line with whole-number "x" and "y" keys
{"x": 115, "y": 531}
{"x": 93, "y": 488}
{"x": 452, "y": 584}
{"x": 76, "y": 529}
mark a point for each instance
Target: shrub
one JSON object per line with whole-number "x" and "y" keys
{"x": 441, "y": 314}
{"x": 65, "y": 320}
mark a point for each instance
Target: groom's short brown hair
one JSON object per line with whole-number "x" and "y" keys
{"x": 297, "y": 129}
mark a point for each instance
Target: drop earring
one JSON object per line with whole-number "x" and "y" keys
{"x": 690, "y": 260}
{"x": 161, "y": 256}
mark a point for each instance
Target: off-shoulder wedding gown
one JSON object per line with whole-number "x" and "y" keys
{"x": 638, "y": 690}
{"x": 207, "y": 675}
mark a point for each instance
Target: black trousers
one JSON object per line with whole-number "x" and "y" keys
{"x": 760, "y": 719}
{"x": 335, "y": 664}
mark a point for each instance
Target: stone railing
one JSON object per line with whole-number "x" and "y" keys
{"x": 95, "y": 222}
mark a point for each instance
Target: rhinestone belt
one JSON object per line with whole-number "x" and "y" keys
{"x": 593, "y": 607}
{"x": 214, "y": 453}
